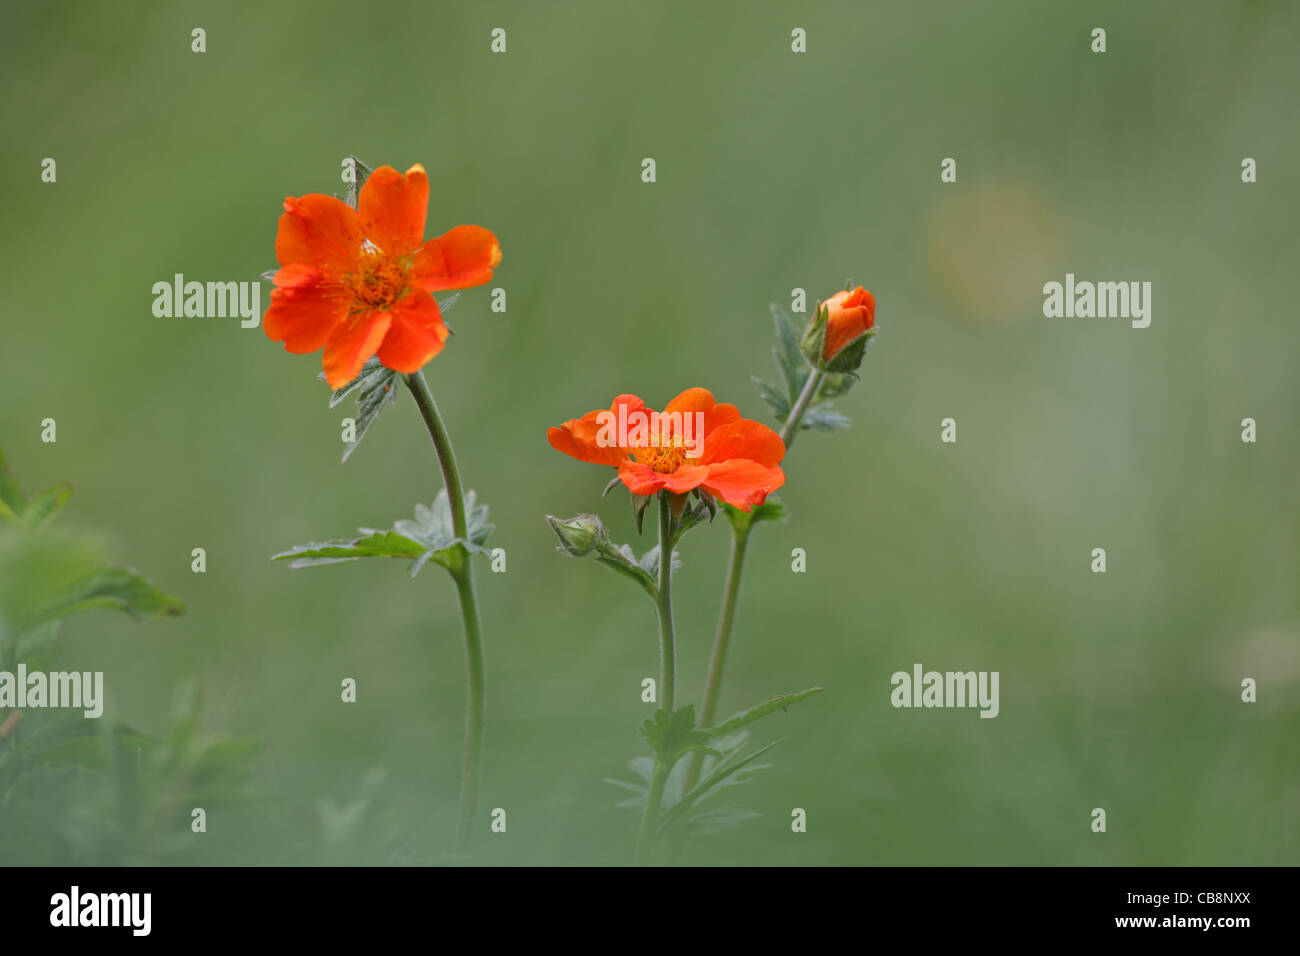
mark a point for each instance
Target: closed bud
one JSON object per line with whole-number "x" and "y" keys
{"x": 837, "y": 337}
{"x": 579, "y": 536}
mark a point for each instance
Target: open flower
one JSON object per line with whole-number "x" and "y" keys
{"x": 358, "y": 282}
{"x": 694, "y": 443}
{"x": 849, "y": 314}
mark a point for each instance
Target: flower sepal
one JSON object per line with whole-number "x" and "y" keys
{"x": 691, "y": 510}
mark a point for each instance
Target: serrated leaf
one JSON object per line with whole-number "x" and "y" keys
{"x": 673, "y": 736}
{"x": 824, "y": 419}
{"x": 375, "y": 388}
{"x": 631, "y": 570}
{"x": 778, "y": 402}
{"x": 789, "y": 358}
{"x": 433, "y": 526}
{"x": 769, "y": 706}
{"x": 45, "y": 505}
{"x": 649, "y": 562}
{"x": 726, "y": 767}
{"x": 119, "y": 589}
{"x": 430, "y": 537}
{"x": 379, "y": 544}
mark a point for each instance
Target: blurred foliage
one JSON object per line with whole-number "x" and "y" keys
{"x": 776, "y": 171}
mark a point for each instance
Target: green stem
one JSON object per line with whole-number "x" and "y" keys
{"x": 664, "y": 603}
{"x": 651, "y": 817}
{"x": 667, "y": 676}
{"x": 731, "y": 589}
{"x": 800, "y": 407}
{"x": 464, "y": 577}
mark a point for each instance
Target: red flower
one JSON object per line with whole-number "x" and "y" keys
{"x": 849, "y": 314}
{"x": 716, "y": 451}
{"x": 358, "y": 282}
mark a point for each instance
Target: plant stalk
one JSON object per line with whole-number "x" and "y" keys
{"x": 667, "y": 676}
{"x": 463, "y": 574}
{"x": 731, "y": 588}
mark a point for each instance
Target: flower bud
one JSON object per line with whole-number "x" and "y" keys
{"x": 579, "y": 535}
{"x": 838, "y": 334}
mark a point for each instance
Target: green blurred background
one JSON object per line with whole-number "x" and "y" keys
{"x": 775, "y": 170}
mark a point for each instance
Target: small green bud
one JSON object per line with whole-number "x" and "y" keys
{"x": 579, "y": 536}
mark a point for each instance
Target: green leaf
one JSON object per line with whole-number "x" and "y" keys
{"x": 11, "y": 493}
{"x": 789, "y": 358}
{"x": 834, "y": 385}
{"x": 671, "y": 737}
{"x": 623, "y": 560}
{"x": 769, "y": 510}
{"x": 48, "y": 503}
{"x": 120, "y": 589}
{"x": 769, "y": 706}
{"x": 375, "y": 388}
{"x": 649, "y": 562}
{"x": 726, "y": 767}
{"x": 430, "y": 537}
{"x": 377, "y": 544}
{"x": 825, "y": 419}
{"x": 778, "y": 402}
{"x": 433, "y": 527}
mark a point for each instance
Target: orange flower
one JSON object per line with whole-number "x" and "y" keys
{"x": 848, "y": 315}
{"x": 358, "y": 282}
{"x": 694, "y": 443}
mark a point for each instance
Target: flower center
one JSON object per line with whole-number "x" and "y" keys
{"x": 664, "y": 459}
{"x": 378, "y": 282}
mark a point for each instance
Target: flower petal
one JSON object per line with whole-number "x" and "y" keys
{"x": 685, "y": 478}
{"x": 352, "y": 342}
{"x": 416, "y": 335}
{"x": 582, "y": 438}
{"x": 640, "y": 479}
{"x": 458, "y": 259}
{"x": 392, "y": 208}
{"x": 743, "y": 483}
{"x": 305, "y": 308}
{"x": 744, "y": 439}
{"x": 701, "y": 400}
{"x": 848, "y": 315}
{"x": 319, "y": 230}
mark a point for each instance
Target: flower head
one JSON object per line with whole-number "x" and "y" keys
{"x": 849, "y": 315}
{"x": 359, "y": 282}
{"x": 695, "y": 443}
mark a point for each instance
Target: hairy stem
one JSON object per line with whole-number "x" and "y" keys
{"x": 667, "y": 676}
{"x": 795, "y": 417}
{"x": 464, "y": 577}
